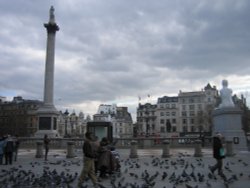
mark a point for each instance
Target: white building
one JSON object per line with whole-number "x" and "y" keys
{"x": 187, "y": 113}
{"x": 107, "y": 109}
{"x": 3, "y": 99}
{"x": 119, "y": 117}
{"x": 72, "y": 125}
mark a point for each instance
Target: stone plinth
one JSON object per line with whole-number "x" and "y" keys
{"x": 197, "y": 148}
{"x": 39, "y": 149}
{"x": 229, "y": 148}
{"x": 133, "y": 150}
{"x": 70, "y": 149}
{"x": 228, "y": 122}
{"x": 165, "y": 149}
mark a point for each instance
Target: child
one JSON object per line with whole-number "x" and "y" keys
{"x": 116, "y": 158}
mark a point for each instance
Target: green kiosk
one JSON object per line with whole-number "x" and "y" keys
{"x": 101, "y": 129}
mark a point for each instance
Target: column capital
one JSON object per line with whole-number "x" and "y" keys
{"x": 51, "y": 27}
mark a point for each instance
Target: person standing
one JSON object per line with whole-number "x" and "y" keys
{"x": 2, "y": 149}
{"x": 16, "y": 147}
{"x": 9, "y": 149}
{"x": 105, "y": 159}
{"x": 96, "y": 145}
{"x": 46, "y": 142}
{"x": 218, "y": 154}
{"x": 89, "y": 156}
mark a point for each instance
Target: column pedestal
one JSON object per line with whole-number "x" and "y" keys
{"x": 228, "y": 122}
{"x": 39, "y": 149}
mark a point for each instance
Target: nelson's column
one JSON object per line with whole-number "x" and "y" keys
{"x": 47, "y": 114}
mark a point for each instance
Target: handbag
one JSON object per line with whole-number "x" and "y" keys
{"x": 222, "y": 152}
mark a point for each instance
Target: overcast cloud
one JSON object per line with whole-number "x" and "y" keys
{"x": 112, "y": 51}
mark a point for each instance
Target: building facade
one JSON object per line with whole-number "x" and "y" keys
{"x": 187, "y": 113}
{"x": 120, "y": 118}
{"x": 71, "y": 124}
{"x": 146, "y": 119}
{"x": 18, "y": 117}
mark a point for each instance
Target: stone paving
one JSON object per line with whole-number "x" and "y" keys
{"x": 148, "y": 170}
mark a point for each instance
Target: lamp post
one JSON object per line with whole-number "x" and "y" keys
{"x": 66, "y": 113}
{"x": 147, "y": 122}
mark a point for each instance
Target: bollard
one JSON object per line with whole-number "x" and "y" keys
{"x": 197, "y": 148}
{"x": 229, "y": 148}
{"x": 70, "y": 149}
{"x": 133, "y": 150}
{"x": 165, "y": 149}
{"x": 39, "y": 149}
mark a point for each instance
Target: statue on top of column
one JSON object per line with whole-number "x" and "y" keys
{"x": 51, "y": 15}
{"x": 226, "y": 95}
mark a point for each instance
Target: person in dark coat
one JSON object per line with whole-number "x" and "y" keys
{"x": 106, "y": 159}
{"x": 46, "y": 142}
{"x": 9, "y": 149}
{"x": 16, "y": 147}
{"x": 2, "y": 149}
{"x": 218, "y": 154}
{"x": 88, "y": 161}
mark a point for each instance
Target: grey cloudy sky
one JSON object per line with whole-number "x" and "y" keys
{"x": 112, "y": 51}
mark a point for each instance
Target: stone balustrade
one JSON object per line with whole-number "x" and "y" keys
{"x": 142, "y": 143}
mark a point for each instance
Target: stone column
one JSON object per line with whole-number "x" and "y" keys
{"x": 47, "y": 113}
{"x": 39, "y": 149}
{"x": 229, "y": 148}
{"x": 70, "y": 149}
{"x": 197, "y": 148}
{"x": 133, "y": 149}
{"x": 52, "y": 28}
{"x": 165, "y": 149}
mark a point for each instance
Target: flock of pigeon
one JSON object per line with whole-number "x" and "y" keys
{"x": 143, "y": 172}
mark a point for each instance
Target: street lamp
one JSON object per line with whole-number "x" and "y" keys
{"x": 66, "y": 113}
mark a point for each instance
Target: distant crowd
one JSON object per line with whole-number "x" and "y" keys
{"x": 9, "y": 146}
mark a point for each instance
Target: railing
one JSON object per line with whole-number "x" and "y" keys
{"x": 61, "y": 143}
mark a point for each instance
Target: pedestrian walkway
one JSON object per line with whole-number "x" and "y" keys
{"x": 181, "y": 170}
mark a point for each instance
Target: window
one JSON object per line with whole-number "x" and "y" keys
{"x": 183, "y": 107}
{"x": 191, "y": 100}
{"x": 173, "y": 113}
{"x": 162, "y": 121}
{"x": 184, "y": 129}
{"x": 191, "y": 107}
{"x": 192, "y": 128}
{"x": 183, "y": 101}
{"x": 191, "y": 113}
{"x": 173, "y": 106}
{"x": 192, "y": 121}
{"x": 167, "y": 113}
{"x": 174, "y": 121}
{"x": 184, "y": 113}
{"x": 199, "y": 107}
{"x": 153, "y": 126}
{"x": 162, "y": 113}
{"x": 184, "y": 121}
{"x": 174, "y": 128}
{"x": 162, "y": 129}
